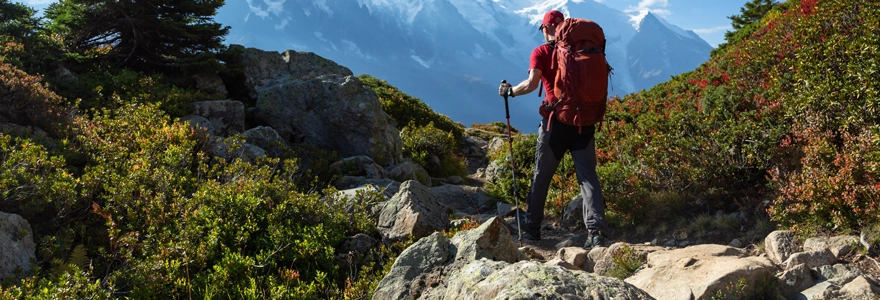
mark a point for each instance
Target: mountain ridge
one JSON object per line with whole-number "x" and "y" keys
{"x": 450, "y": 53}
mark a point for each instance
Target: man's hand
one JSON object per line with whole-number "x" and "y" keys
{"x": 505, "y": 90}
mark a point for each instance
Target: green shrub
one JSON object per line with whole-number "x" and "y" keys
{"x": 408, "y": 110}
{"x": 434, "y": 149}
{"x": 626, "y": 262}
{"x": 24, "y": 100}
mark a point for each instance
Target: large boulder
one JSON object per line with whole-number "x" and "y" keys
{"x": 491, "y": 240}
{"x": 781, "y": 244}
{"x": 462, "y": 199}
{"x": 225, "y": 116}
{"x": 264, "y": 68}
{"x": 415, "y": 268}
{"x": 331, "y": 112}
{"x": 312, "y": 100}
{"x": 698, "y": 272}
{"x": 486, "y": 279}
{"x": 408, "y": 170}
{"x": 413, "y": 211}
{"x": 266, "y": 138}
{"x": 16, "y": 245}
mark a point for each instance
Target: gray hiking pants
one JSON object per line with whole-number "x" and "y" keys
{"x": 552, "y": 145}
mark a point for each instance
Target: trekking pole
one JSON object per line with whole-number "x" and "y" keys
{"x": 512, "y": 168}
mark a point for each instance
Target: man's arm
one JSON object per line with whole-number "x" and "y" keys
{"x": 525, "y": 87}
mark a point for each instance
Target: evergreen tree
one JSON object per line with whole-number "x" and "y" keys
{"x": 150, "y": 35}
{"x": 751, "y": 13}
{"x": 17, "y": 20}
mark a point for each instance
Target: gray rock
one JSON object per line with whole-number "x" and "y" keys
{"x": 408, "y": 170}
{"x": 698, "y": 272}
{"x": 859, "y": 288}
{"x": 735, "y": 243}
{"x": 262, "y": 68}
{"x": 413, "y": 211}
{"x": 356, "y": 251}
{"x": 63, "y": 74}
{"x": 332, "y": 113}
{"x": 462, "y": 199}
{"x": 840, "y": 246}
{"x": 198, "y": 122}
{"x": 491, "y": 240}
{"x": 838, "y": 274}
{"x": 455, "y": 180}
{"x": 210, "y": 82}
{"x": 16, "y": 245}
{"x": 388, "y": 186}
{"x": 532, "y": 280}
{"x": 267, "y": 138}
{"x": 573, "y": 217}
{"x": 813, "y": 259}
{"x": 781, "y": 244}
{"x": 576, "y": 256}
{"x": 358, "y": 166}
{"x": 793, "y": 281}
{"x": 815, "y": 291}
{"x": 223, "y": 148}
{"x": 414, "y": 267}
{"x": 561, "y": 263}
{"x": 504, "y": 209}
{"x": 226, "y": 116}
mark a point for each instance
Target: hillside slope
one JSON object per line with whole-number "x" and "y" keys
{"x": 789, "y": 115}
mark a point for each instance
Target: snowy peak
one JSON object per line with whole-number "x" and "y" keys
{"x": 652, "y": 21}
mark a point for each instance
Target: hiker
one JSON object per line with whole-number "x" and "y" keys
{"x": 554, "y": 139}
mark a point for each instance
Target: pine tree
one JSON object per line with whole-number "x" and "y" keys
{"x": 148, "y": 35}
{"x": 17, "y": 20}
{"x": 746, "y": 22}
{"x": 751, "y": 13}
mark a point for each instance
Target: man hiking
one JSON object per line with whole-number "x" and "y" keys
{"x": 554, "y": 139}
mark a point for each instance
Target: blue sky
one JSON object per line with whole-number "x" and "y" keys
{"x": 708, "y": 18}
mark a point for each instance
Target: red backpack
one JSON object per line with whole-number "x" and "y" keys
{"x": 581, "y": 85}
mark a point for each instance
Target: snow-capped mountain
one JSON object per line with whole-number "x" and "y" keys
{"x": 453, "y": 53}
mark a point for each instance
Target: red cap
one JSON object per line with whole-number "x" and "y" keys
{"x": 553, "y": 17}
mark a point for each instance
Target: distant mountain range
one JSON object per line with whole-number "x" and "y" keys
{"x": 452, "y": 54}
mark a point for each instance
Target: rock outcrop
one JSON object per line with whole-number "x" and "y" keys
{"x": 312, "y": 100}
{"x": 16, "y": 245}
{"x": 412, "y": 212}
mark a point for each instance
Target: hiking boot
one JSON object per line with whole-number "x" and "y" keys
{"x": 531, "y": 234}
{"x": 594, "y": 240}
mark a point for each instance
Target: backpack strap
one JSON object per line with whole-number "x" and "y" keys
{"x": 540, "y": 87}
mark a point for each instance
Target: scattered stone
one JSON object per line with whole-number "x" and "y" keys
{"x": 781, "y": 244}
{"x": 461, "y": 199}
{"x": 408, "y": 170}
{"x": 575, "y": 256}
{"x": 358, "y": 166}
{"x": 531, "y": 253}
{"x": 838, "y": 274}
{"x": 840, "y": 246}
{"x": 813, "y": 259}
{"x": 794, "y": 280}
{"x": 735, "y": 243}
{"x": 413, "y": 211}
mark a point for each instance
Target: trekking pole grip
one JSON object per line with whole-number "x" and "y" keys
{"x": 506, "y": 107}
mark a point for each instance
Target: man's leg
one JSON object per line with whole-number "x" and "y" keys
{"x": 545, "y": 165}
{"x": 594, "y": 204}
